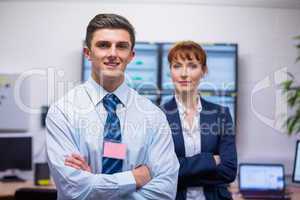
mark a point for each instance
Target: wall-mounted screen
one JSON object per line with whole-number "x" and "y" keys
{"x": 149, "y": 73}
{"x": 227, "y": 101}
{"x": 222, "y": 68}
{"x": 141, "y": 72}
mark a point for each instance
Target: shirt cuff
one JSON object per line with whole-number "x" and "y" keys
{"x": 126, "y": 182}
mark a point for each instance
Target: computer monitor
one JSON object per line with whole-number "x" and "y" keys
{"x": 227, "y": 101}
{"x": 254, "y": 176}
{"x": 296, "y": 170}
{"x": 141, "y": 73}
{"x": 222, "y": 68}
{"x": 16, "y": 154}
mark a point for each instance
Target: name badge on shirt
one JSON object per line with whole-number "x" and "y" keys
{"x": 114, "y": 150}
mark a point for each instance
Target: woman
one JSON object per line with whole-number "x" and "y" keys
{"x": 203, "y": 132}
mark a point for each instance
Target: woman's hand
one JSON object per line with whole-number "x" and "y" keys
{"x": 217, "y": 159}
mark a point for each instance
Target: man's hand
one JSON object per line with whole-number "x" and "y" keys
{"x": 142, "y": 175}
{"x": 217, "y": 159}
{"x": 76, "y": 161}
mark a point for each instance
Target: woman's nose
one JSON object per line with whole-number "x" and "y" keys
{"x": 184, "y": 72}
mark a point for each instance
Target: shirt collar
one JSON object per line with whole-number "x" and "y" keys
{"x": 97, "y": 92}
{"x": 182, "y": 109}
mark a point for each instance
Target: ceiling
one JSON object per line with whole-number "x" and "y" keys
{"x": 288, "y": 4}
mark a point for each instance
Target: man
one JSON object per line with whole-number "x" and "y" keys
{"x": 104, "y": 140}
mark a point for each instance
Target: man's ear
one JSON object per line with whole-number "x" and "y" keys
{"x": 87, "y": 52}
{"x": 132, "y": 55}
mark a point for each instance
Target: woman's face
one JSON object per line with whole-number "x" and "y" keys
{"x": 186, "y": 75}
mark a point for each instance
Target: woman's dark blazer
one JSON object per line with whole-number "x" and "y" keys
{"x": 217, "y": 138}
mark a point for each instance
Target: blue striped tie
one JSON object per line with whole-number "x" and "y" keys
{"x": 112, "y": 131}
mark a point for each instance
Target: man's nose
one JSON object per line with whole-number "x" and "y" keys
{"x": 113, "y": 51}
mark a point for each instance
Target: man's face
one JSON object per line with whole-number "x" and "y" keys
{"x": 110, "y": 52}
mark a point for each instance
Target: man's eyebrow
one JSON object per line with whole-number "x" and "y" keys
{"x": 102, "y": 41}
{"x": 124, "y": 43}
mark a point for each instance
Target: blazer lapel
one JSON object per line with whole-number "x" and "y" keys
{"x": 173, "y": 118}
{"x": 205, "y": 125}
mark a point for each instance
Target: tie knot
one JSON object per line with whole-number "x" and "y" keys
{"x": 110, "y": 102}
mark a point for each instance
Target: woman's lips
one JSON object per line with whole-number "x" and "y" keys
{"x": 184, "y": 82}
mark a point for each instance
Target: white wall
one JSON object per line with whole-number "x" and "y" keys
{"x": 38, "y": 35}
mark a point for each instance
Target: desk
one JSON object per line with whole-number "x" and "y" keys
{"x": 7, "y": 190}
{"x": 293, "y": 190}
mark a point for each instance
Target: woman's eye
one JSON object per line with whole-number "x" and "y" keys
{"x": 193, "y": 66}
{"x": 176, "y": 66}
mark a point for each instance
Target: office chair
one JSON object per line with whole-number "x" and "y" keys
{"x": 35, "y": 194}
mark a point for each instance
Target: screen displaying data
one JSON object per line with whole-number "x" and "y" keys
{"x": 261, "y": 177}
{"x": 141, "y": 72}
{"x": 226, "y": 101}
{"x": 296, "y": 172}
{"x": 149, "y": 73}
{"x": 221, "y": 62}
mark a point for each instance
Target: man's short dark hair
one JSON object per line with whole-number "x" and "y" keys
{"x": 109, "y": 21}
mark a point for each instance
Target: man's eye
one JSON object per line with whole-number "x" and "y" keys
{"x": 123, "y": 46}
{"x": 103, "y": 45}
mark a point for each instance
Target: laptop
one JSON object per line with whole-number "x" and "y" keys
{"x": 296, "y": 170}
{"x": 262, "y": 181}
